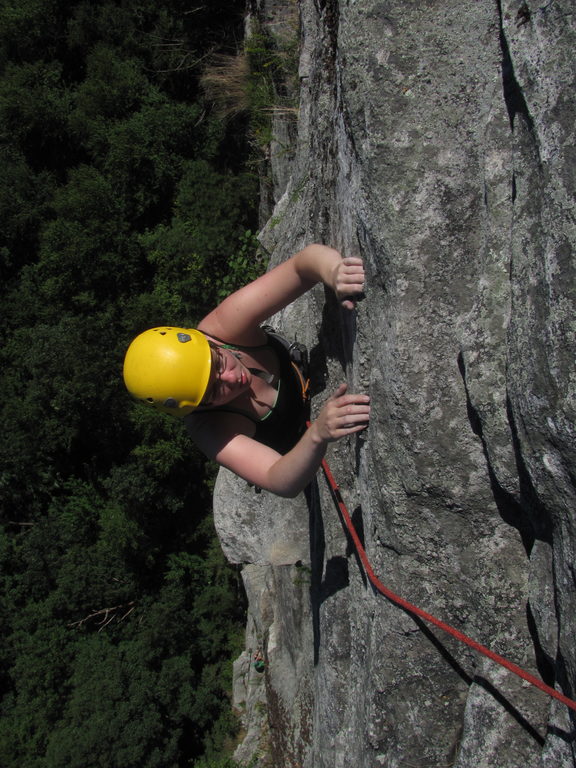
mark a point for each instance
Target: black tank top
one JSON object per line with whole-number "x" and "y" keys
{"x": 284, "y": 424}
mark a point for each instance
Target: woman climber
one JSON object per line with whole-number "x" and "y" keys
{"x": 234, "y": 385}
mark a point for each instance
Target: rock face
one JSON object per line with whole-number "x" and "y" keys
{"x": 435, "y": 139}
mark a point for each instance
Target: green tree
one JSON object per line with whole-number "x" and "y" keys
{"x": 123, "y": 205}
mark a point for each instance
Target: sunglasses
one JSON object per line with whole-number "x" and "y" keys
{"x": 218, "y": 365}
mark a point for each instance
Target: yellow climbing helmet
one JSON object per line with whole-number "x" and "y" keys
{"x": 169, "y": 368}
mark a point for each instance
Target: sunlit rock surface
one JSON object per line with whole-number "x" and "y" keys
{"x": 436, "y": 140}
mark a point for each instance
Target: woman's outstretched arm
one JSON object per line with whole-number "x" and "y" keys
{"x": 238, "y": 318}
{"x": 342, "y": 415}
{"x": 285, "y": 475}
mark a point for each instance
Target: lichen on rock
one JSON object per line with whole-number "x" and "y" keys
{"x": 436, "y": 141}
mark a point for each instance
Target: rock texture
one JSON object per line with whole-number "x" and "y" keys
{"x": 436, "y": 140}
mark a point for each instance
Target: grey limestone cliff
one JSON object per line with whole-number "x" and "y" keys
{"x": 436, "y": 139}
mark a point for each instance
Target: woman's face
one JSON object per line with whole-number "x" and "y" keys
{"x": 229, "y": 378}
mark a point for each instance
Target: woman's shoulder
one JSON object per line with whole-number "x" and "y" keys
{"x": 218, "y": 419}
{"x": 223, "y": 334}
{"x": 212, "y": 429}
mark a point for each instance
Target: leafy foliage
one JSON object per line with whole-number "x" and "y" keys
{"x": 124, "y": 205}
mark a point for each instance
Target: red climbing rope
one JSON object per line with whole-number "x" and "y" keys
{"x": 378, "y": 585}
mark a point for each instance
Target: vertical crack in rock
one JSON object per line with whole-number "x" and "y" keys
{"x": 513, "y": 96}
{"x": 328, "y": 11}
{"x": 511, "y": 507}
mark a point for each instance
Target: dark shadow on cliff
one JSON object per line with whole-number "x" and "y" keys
{"x": 327, "y": 347}
{"x": 563, "y": 678}
{"x": 336, "y": 577}
{"x": 318, "y": 369}
{"x": 511, "y": 709}
{"x": 317, "y": 549}
{"x": 337, "y": 335}
{"x": 544, "y": 663}
{"x": 438, "y": 644}
{"x": 537, "y": 513}
{"x": 478, "y": 680}
{"x": 513, "y": 95}
{"x": 568, "y": 737}
{"x": 441, "y": 647}
{"x": 336, "y": 341}
{"x": 324, "y": 581}
{"x": 528, "y": 515}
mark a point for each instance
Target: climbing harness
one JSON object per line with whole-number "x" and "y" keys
{"x": 379, "y": 587}
{"x": 298, "y": 355}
